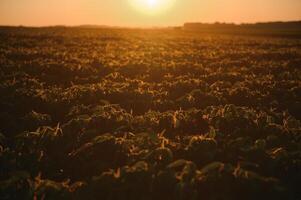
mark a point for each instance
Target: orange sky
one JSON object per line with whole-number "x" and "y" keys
{"x": 122, "y": 13}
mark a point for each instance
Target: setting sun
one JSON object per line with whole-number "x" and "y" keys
{"x": 151, "y": 7}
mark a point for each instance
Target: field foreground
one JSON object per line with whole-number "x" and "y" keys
{"x": 148, "y": 114}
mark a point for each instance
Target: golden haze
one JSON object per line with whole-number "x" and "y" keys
{"x": 137, "y": 13}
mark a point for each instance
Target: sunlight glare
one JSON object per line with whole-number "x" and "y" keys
{"x": 151, "y": 7}
{"x": 152, "y": 3}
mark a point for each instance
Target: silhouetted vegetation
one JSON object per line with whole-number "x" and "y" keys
{"x": 276, "y": 29}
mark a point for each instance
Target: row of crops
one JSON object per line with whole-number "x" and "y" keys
{"x": 148, "y": 114}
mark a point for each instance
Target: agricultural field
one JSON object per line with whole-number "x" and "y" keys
{"x": 134, "y": 114}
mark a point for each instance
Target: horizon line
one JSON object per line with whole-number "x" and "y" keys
{"x": 147, "y": 26}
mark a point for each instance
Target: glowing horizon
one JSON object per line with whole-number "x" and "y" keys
{"x": 145, "y": 12}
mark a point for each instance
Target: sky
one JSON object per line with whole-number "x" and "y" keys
{"x": 140, "y": 13}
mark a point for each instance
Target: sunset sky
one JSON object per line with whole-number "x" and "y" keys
{"x": 144, "y": 12}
